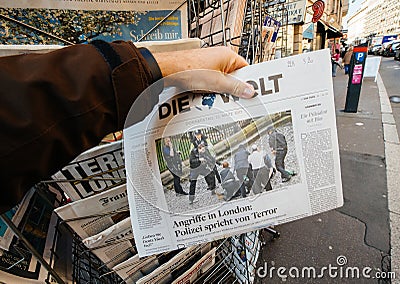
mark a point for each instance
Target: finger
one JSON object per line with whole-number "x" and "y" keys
{"x": 210, "y": 81}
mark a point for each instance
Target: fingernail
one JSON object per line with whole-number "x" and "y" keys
{"x": 249, "y": 91}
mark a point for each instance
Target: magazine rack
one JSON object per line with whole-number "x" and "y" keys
{"x": 208, "y": 20}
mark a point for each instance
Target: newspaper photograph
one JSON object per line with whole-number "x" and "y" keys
{"x": 94, "y": 214}
{"x": 204, "y": 167}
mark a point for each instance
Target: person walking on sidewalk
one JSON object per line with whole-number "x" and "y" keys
{"x": 335, "y": 62}
{"x": 174, "y": 164}
{"x": 347, "y": 60}
{"x": 201, "y": 163}
{"x": 278, "y": 145}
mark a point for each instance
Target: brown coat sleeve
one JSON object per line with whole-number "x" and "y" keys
{"x": 55, "y": 106}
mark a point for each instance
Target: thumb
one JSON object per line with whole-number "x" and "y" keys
{"x": 210, "y": 81}
{"x": 232, "y": 85}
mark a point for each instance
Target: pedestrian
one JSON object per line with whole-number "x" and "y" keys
{"x": 347, "y": 60}
{"x": 174, "y": 165}
{"x": 242, "y": 169}
{"x": 277, "y": 143}
{"x": 56, "y": 105}
{"x": 261, "y": 171}
{"x": 335, "y": 61}
{"x": 199, "y": 138}
{"x": 201, "y": 163}
{"x": 229, "y": 183}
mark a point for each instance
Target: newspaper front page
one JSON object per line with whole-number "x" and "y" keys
{"x": 289, "y": 127}
{"x": 95, "y": 170}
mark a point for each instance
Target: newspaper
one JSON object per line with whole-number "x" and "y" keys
{"x": 37, "y": 225}
{"x": 212, "y": 22}
{"x": 95, "y": 170}
{"x": 106, "y": 20}
{"x": 199, "y": 268}
{"x": 134, "y": 268}
{"x": 169, "y": 271}
{"x": 243, "y": 259}
{"x": 113, "y": 245}
{"x": 269, "y": 34}
{"x": 294, "y": 98}
{"x": 94, "y": 214}
{"x": 15, "y": 214}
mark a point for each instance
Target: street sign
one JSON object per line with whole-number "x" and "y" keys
{"x": 360, "y": 56}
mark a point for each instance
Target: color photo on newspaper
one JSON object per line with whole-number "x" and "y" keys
{"x": 202, "y": 167}
{"x": 217, "y": 164}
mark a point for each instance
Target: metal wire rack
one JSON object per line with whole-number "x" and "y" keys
{"x": 234, "y": 23}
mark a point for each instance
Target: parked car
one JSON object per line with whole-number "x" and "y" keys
{"x": 381, "y": 50}
{"x": 390, "y": 48}
{"x": 397, "y": 53}
{"x": 374, "y": 49}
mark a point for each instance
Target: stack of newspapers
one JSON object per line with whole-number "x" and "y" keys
{"x": 99, "y": 215}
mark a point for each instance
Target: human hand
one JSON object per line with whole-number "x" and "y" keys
{"x": 220, "y": 59}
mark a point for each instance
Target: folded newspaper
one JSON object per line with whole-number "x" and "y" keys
{"x": 95, "y": 170}
{"x": 92, "y": 215}
{"x": 113, "y": 245}
{"x": 289, "y": 127}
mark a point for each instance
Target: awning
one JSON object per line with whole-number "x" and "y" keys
{"x": 332, "y": 32}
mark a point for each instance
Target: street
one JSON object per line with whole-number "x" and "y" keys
{"x": 356, "y": 236}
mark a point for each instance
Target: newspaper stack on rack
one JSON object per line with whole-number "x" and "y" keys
{"x": 288, "y": 128}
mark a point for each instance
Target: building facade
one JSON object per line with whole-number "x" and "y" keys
{"x": 374, "y": 18}
{"x": 307, "y": 35}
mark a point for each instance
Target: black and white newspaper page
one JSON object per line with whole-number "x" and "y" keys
{"x": 202, "y": 167}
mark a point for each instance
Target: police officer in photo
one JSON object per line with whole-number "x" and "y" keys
{"x": 242, "y": 169}
{"x": 278, "y": 145}
{"x": 174, "y": 165}
{"x": 201, "y": 163}
{"x": 200, "y": 138}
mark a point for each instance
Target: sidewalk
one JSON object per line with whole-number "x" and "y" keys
{"x": 358, "y": 234}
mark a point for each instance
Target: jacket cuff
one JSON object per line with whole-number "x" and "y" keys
{"x": 130, "y": 79}
{"x": 152, "y": 63}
